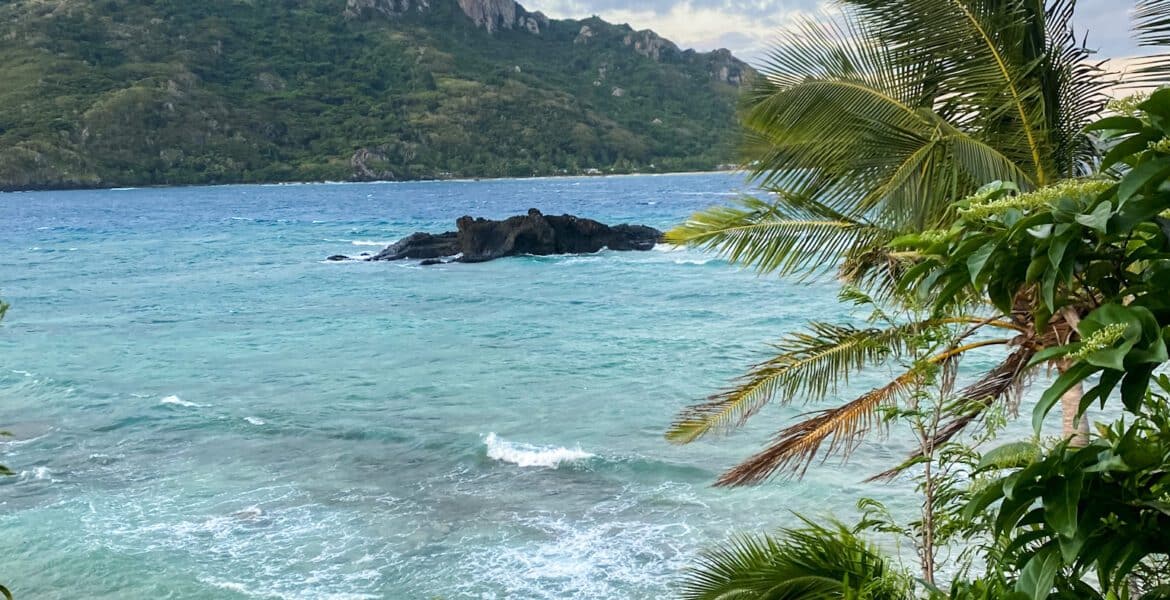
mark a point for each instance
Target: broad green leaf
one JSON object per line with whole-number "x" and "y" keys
{"x": 1142, "y": 175}
{"x": 1129, "y": 147}
{"x": 1074, "y": 375}
{"x": 1099, "y": 218}
{"x": 1039, "y": 574}
{"x": 1060, "y": 503}
{"x": 978, "y": 259}
{"x": 1118, "y": 122}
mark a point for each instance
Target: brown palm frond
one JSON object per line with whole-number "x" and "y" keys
{"x": 1004, "y": 382}
{"x": 795, "y": 447}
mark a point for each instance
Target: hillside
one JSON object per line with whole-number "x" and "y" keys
{"x": 142, "y": 92}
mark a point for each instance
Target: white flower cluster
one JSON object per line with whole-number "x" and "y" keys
{"x": 984, "y": 207}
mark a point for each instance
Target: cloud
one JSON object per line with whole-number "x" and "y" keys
{"x": 747, "y": 27}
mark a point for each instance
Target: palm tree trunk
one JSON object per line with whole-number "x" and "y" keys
{"x": 1073, "y": 429}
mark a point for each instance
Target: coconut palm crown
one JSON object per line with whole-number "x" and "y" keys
{"x": 868, "y": 126}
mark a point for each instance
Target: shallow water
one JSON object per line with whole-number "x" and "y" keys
{"x": 203, "y": 407}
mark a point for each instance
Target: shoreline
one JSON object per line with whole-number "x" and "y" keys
{"x": 114, "y": 187}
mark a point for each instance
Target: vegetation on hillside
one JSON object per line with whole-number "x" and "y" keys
{"x": 137, "y": 92}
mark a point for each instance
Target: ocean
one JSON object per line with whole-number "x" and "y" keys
{"x": 201, "y": 406}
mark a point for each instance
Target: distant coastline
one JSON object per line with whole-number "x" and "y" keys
{"x": 127, "y": 187}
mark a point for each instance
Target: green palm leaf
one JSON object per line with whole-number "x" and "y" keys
{"x": 810, "y": 364}
{"x": 810, "y": 563}
{"x": 793, "y": 236}
{"x": 1151, "y": 24}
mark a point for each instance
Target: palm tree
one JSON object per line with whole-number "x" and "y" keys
{"x": 812, "y": 562}
{"x": 868, "y": 127}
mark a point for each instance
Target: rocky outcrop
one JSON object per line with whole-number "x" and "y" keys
{"x": 651, "y": 45}
{"x": 500, "y": 15}
{"x": 421, "y": 245}
{"x": 370, "y": 165}
{"x": 494, "y": 15}
{"x": 355, "y": 9}
{"x": 584, "y": 35}
{"x": 481, "y": 240}
{"x": 725, "y": 67}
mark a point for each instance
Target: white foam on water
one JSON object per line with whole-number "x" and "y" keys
{"x": 597, "y": 556}
{"x": 267, "y": 543}
{"x": 19, "y": 372}
{"x": 527, "y": 455}
{"x": 369, "y": 243}
{"x": 255, "y": 420}
{"x": 177, "y": 401}
{"x": 697, "y": 261}
{"x": 669, "y": 248}
{"x": 37, "y": 474}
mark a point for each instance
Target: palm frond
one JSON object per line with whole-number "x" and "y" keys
{"x": 1151, "y": 25}
{"x": 809, "y": 563}
{"x": 847, "y": 121}
{"x": 795, "y": 447}
{"x": 793, "y": 235}
{"x": 1151, "y": 22}
{"x": 1003, "y": 383}
{"x": 811, "y": 364}
{"x": 980, "y": 50}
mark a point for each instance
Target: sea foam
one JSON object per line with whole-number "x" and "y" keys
{"x": 527, "y": 455}
{"x": 177, "y": 401}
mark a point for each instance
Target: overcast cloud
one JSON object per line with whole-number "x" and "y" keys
{"x": 747, "y": 26}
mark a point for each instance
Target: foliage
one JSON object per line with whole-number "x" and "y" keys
{"x": 810, "y": 563}
{"x": 1100, "y": 510}
{"x": 1098, "y": 250}
{"x": 137, "y": 92}
{"x": 866, "y": 129}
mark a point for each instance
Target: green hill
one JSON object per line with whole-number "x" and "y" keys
{"x": 141, "y": 92}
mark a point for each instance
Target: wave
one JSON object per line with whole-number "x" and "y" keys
{"x": 370, "y": 243}
{"x": 177, "y": 401}
{"x": 669, "y": 248}
{"x": 36, "y": 474}
{"x": 527, "y": 455}
{"x": 255, "y": 420}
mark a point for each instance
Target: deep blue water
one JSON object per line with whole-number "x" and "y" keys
{"x": 203, "y": 407}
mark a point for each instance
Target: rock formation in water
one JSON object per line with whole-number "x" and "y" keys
{"x": 480, "y": 240}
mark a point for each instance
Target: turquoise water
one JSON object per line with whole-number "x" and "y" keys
{"x": 203, "y": 407}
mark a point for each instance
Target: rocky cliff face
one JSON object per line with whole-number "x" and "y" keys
{"x": 389, "y": 8}
{"x": 651, "y": 45}
{"x": 494, "y": 15}
{"x": 499, "y": 15}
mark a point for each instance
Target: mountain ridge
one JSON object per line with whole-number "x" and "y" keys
{"x": 156, "y": 92}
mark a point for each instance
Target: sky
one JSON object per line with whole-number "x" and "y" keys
{"x": 747, "y": 26}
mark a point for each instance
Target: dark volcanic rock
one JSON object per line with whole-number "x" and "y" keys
{"x": 421, "y": 245}
{"x": 337, "y": 257}
{"x": 534, "y": 233}
{"x": 432, "y": 261}
{"x": 482, "y": 239}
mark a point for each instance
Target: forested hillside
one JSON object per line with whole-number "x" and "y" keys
{"x": 141, "y": 92}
